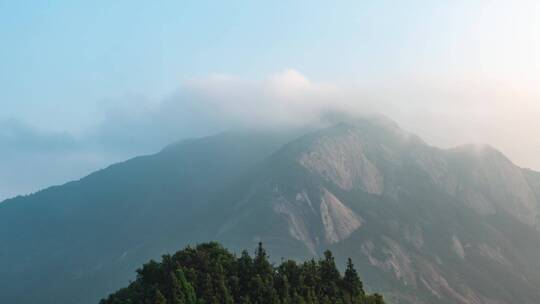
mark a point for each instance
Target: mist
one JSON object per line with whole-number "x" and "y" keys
{"x": 445, "y": 113}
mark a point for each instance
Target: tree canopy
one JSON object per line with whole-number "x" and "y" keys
{"x": 210, "y": 274}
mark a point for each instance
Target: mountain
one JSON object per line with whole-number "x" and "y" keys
{"x": 422, "y": 224}
{"x": 77, "y": 242}
{"x": 458, "y": 225}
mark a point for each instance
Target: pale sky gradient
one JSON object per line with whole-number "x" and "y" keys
{"x": 85, "y": 85}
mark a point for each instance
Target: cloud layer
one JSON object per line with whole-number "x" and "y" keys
{"x": 445, "y": 113}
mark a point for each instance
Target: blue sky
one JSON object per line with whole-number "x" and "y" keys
{"x": 64, "y": 54}
{"x": 77, "y": 77}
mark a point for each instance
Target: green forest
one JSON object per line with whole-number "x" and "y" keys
{"x": 210, "y": 274}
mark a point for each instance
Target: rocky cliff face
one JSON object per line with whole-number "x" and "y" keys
{"x": 491, "y": 181}
{"x": 430, "y": 225}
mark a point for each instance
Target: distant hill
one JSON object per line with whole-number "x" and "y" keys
{"x": 208, "y": 273}
{"x": 422, "y": 224}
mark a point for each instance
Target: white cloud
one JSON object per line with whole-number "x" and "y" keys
{"x": 444, "y": 111}
{"x": 283, "y": 98}
{"x": 216, "y": 103}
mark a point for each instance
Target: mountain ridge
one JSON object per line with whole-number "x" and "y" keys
{"x": 424, "y": 224}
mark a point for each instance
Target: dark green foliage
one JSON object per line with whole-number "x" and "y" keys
{"x": 351, "y": 282}
{"x": 209, "y": 274}
{"x": 159, "y": 298}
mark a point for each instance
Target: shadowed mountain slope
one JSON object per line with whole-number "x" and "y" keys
{"x": 81, "y": 239}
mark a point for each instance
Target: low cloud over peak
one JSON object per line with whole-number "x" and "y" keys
{"x": 444, "y": 112}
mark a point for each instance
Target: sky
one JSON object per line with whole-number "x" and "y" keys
{"x": 84, "y": 85}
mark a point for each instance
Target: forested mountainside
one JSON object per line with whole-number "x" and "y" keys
{"x": 421, "y": 224}
{"x": 97, "y": 230}
{"x": 210, "y": 274}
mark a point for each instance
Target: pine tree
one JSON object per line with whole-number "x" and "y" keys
{"x": 245, "y": 300}
{"x": 257, "y": 289}
{"x": 311, "y": 296}
{"x": 159, "y": 298}
{"x": 222, "y": 290}
{"x": 374, "y": 299}
{"x": 261, "y": 264}
{"x": 186, "y": 289}
{"x": 351, "y": 283}
{"x": 244, "y": 271}
{"x": 331, "y": 276}
{"x": 208, "y": 294}
{"x": 298, "y": 299}
{"x": 150, "y": 272}
{"x": 285, "y": 290}
{"x": 176, "y": 294}
{"x": 310, "y": 282}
